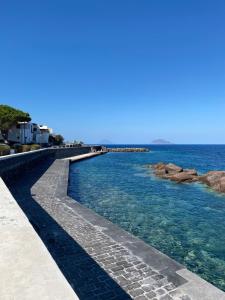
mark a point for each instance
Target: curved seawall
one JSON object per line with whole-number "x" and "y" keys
{"x": 28, "y": 271}
{"x": 99, "y": 259}
{"x": 16, "y": 163}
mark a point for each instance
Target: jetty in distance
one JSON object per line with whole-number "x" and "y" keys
{"x": 130, "y": 149}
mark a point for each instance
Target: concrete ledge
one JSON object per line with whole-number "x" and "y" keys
{"x": 27, "y": 269}
{"x": 84, "y": 156}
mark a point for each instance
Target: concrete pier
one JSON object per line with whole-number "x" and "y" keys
{"x": 128, "y": 149}
{"x": 84, "y": 156}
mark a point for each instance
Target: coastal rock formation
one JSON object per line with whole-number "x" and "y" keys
{"x": 213, "y": 179}
{"x": 172, "y": 168}
{"x": 174, "y": 172}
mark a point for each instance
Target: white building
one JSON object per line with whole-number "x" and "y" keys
{"x": 29, "y": 133}
{"x": 43, "y": 134}
{"x": 21, "y": 133}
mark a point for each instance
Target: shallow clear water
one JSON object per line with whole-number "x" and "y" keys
{"x": 185, "y": 221}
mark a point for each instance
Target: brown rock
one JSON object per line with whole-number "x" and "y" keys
{"x": 191, "y": 171}
{"x": 212, "y": 177}
{"x": 159, "y": 166}
{"x": 160, "y": 172}
{"x": 222, "y": 185}
{"x": 183, "y": 177}
{"x": 215, "y": 180}
{"x": 172, "y": 168}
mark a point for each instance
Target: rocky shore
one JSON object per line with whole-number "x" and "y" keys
{"x": 128, "y": 149}
{"x": 213, "y": 179}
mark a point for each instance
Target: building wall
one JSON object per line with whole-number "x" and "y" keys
{"x": 28, "y": 133}
{"x": 22, "y": 135}
{"x": 42, "y": 138}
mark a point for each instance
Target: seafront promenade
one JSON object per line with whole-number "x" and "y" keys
{"x": 83, "y": 156}
{"x": 27, "y": 269}
{"x": 98, "y": 259}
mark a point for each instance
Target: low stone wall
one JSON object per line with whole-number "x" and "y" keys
{"x": 11, "y": 164}
{"x": 73, "y": 151}
{"x": 15, "y": 163}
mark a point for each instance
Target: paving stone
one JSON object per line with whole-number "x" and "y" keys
{"x": 141, "y": 298}
{"x": 136, "y": 292}
{"x": 166, "y": 297}
{"x": 133, "y": 286}
{"x": 170, "y": 287}
{"x": 160, "y": 292}
{"x": 150, "y": 295}
{"x": 117, "y": 268}
{"x": 147, "y": 288}
{"x": 141, "y": 266}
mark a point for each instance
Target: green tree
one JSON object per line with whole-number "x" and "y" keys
{"x": 59, "y": 139}
{"x": 56, "y": 139}
{"x": 10, "y": 116}
{"x": 78, "y": 142}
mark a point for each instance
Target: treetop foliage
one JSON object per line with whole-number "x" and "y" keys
{"x": 9, "y": 116}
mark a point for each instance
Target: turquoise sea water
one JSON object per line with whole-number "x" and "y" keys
{"x": 185, "y": 221}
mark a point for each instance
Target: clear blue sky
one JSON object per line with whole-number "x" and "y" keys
{"x": 128, "y": 71}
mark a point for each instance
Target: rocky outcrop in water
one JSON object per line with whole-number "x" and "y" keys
{"x": 213, "y": 179}
{"x": 174, "y": 172}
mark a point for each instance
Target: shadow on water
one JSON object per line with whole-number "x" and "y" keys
{"x": 86, "y": 277}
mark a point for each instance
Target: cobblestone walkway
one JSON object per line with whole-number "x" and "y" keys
{"x": 96, "y": 265}
{"x": 139, "y": 280}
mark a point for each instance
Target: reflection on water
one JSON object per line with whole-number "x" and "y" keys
{"x": 185, "y": 221}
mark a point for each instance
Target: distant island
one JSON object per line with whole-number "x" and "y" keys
{"x": 161, "y": 142}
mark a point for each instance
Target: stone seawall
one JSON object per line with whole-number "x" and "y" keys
{"x": 68, "y": 152}
{"x": 99, "y": 259}
{"x": 15, "y": 163}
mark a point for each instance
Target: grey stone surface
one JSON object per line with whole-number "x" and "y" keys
{"x": 84, "y": 156}
{"x": 100, "y": 260}
{"x": 14, "y": 163}
{"x": 27, "y": 270}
